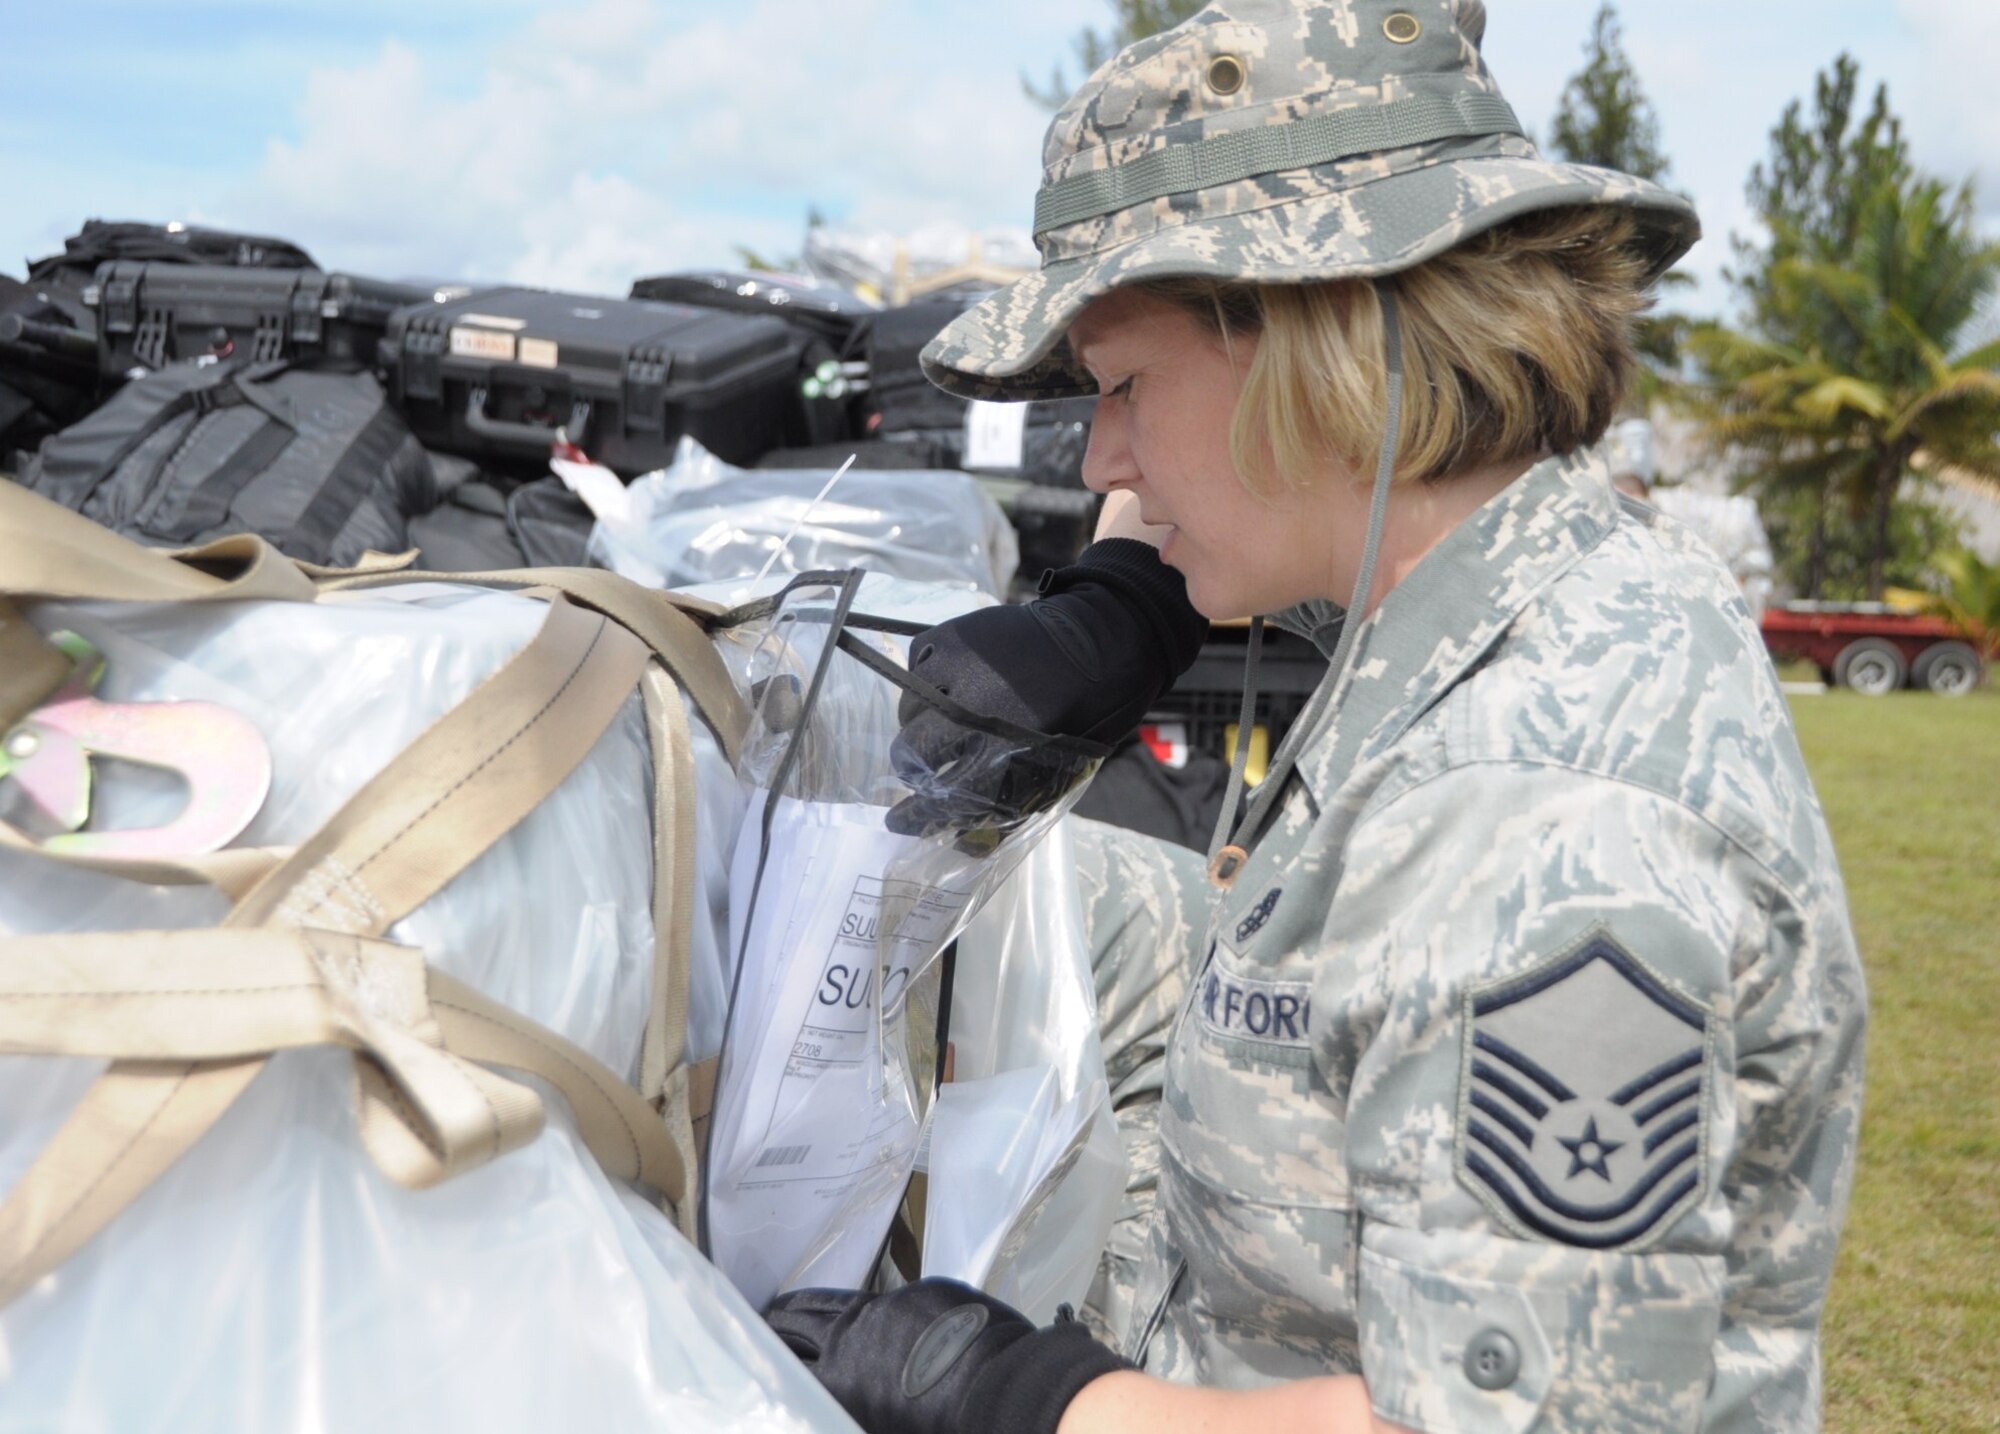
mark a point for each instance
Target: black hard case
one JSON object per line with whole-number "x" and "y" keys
{"x": 150, "y": 314}
{"x": 494, "y": 375}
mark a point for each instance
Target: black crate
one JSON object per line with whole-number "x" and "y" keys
{"x": 151, "y": 314}
{"x": 1209, "y": 696}
{"x": 494, "y": 375}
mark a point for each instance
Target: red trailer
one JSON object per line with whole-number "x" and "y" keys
{"x": 1874, "y": 649}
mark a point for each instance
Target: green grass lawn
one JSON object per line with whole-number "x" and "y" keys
{"x": 1911, "y": 785}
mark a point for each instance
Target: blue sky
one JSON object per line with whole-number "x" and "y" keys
{"x": 578, "y": 145}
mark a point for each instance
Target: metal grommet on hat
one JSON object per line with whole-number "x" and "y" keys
{"x": 1226, "y": 74}
{"x": 1402, "y": 27}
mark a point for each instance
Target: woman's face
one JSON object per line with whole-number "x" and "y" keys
{"x": 1169, "y": 387}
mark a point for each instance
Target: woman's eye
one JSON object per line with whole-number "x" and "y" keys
{"x": 1123, "y": 390}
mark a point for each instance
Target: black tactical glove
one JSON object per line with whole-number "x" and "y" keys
{"x": 1108, "y": 636}
{"x": 938, "y": 1357}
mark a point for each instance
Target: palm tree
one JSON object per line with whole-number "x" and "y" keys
{"x": 1854, "y": 368}
{"x": 1971, "y": 599}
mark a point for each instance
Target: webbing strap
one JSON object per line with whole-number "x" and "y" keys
{"x": 461, "y": 785}
{"x": 359, "y": 468}
{"x": 674, "y": 894}
{"x": 671, "y": 624}
{"x": 232, "y": 995}
{"x": 31, "y": 667}
{"x": 1322, "y": 138}
{"x": 207, "y": 504}
{"x": 413, "y": 828}
{"x": 46, "y": 551}
{"x": 393, "y": 845}
{"x": 76, "y": 491}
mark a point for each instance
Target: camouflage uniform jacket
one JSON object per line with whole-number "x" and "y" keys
{"x": 1524, "y": 1073}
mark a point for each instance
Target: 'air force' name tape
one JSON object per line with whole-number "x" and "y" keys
{"x": 1277, "y": 1013}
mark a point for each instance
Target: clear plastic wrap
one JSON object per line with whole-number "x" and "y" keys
{"x": 703, "y": 521}
{"x": 1026, "y": 1169}
{"x": 274, "y": 1278}
{"x": 846, "y": 886}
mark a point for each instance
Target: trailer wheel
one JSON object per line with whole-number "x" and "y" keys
{"x": 1871, "y": 666}
{"x": 1950, "y": 669}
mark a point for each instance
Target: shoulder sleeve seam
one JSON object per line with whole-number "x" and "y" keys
{"x": 1783, "y": 884}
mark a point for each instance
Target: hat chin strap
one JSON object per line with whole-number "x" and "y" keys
{"x": 1228, "y": 852}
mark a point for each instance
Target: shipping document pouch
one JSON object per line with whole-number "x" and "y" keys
{"x": 857, "y": 864}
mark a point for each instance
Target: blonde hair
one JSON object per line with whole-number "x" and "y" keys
{"x": 1516, "y": 342}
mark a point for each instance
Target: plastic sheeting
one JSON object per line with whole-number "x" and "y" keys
{"x": 703, "y": 520}
{"x": 1025, "y": 1163}
{"x": 821, "y": 1104}
{"x": 273, "y": 1278}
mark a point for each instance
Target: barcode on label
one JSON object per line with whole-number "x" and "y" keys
{"x": 784, "y": 1155}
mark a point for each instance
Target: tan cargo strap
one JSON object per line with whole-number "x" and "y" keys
{"x": 220, "y": 995}
{"x": 701, "y": 1089}
{"x": 410, "y": 830}
{"x": 46, "y": 551}
{"x": 31, "y": 669}
{"x": 674, "y": 894}
{"x": 669, "y": 623}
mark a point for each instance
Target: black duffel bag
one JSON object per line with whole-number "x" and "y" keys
{"x": 102, "y": 240}
{"x": 316, "y": 462}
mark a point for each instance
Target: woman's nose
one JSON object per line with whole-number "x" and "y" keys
{"x": 1107, "y": 461}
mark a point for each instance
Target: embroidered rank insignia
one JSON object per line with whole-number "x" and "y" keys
{"x": 1259, "y": 914}
{"x": 1584, "y": 1098}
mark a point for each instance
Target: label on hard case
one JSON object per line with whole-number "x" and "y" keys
{"x": 482, "y": 343}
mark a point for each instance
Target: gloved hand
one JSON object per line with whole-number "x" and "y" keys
{"x": 1106, "y": 638}
{"x": 938, "y": 1357}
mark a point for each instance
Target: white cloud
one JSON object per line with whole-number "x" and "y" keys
{"x": 609, "y": 141}
{"x": 1953, "y": 103}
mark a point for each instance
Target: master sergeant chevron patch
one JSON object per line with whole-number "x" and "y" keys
{"x": 1583, "y": 1109}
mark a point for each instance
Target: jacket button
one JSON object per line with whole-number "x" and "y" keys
{"x": 1492, "y": 1360}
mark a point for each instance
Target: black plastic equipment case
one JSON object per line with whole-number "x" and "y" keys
{"x": 150, "y": 314}
{"x": 1209, "y": 695}
{"x": 827, "y": 309}
{"x": 494, "y": 375}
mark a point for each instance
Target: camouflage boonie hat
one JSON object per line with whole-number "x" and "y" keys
{"x": 1274, "y": 141}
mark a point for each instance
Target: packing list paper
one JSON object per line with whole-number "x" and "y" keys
{"x": 815, "y": 1130}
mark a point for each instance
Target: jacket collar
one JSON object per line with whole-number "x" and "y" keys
{"x": 1449, "y": 612}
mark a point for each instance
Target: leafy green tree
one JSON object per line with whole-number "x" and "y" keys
{"x": 1970, "y": 598}
{"x": 1920, "y": 531}
{"x": 1823, "y": 169}
{"x": 1135, "y": 20}
{"x": 1605, "y": 119}
{"x": 1854, "y": 363}
{"x": 1855, "y": 348}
